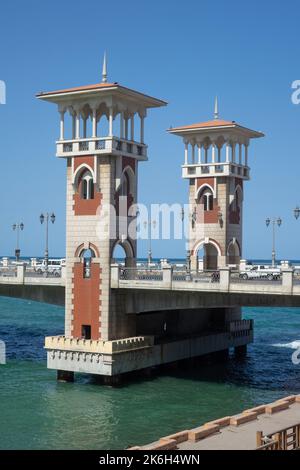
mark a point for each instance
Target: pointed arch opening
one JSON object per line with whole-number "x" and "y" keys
{"x": 236, "y": 207}
{"x": 207, "y": 253}
{"x": 233, "y": 253}
{"x": 86, "y": 257}
{"x": 123, "y": 253}
{"x": 205, "y": 198}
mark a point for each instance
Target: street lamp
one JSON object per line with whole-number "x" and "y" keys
{"x": 275, "y": 221}
{"x": 193, "y": 219}
{"x": 297, "y": 212}
{"x": 17, "y": 228}
{"x": 46, "y": 217}
{"x": 151, "y": 223}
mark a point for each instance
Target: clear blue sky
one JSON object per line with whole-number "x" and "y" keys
{"x": 185, "y": 52}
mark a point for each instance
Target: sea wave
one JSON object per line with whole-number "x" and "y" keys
{"x": 292, "y": 345}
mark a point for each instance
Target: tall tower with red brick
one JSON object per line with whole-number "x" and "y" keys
{"x": 216, "y": 164}
{"x": 102, "y": 140}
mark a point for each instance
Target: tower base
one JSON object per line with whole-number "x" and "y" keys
{"x": 114, "y": 358}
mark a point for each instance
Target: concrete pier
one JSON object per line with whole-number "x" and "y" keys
{"x": 214, "y": 331}
{"x": 274, "y": 426}
{"x": 65, "y": 376}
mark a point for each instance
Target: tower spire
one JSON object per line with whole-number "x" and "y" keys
{"x": 216, "y": 113}
{"x": 104, "y": 69}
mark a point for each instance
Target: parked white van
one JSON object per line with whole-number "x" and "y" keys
{"x": 54, "y": 266}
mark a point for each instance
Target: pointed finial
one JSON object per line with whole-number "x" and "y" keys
{"x": 104, "y": 69}
{"x": 216, "y": 114}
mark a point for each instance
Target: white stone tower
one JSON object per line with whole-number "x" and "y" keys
{"x": 216, "y": 165}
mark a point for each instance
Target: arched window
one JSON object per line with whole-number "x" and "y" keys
{"x": 238, "y": 199}
{"x": 87, "y": 186}
{"x": 207, "y": 199}
{"x": 124, "y": 185}
{"x": 87, "y": 256}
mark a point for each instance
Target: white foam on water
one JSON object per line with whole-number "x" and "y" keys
{"x": 292, "y": 345}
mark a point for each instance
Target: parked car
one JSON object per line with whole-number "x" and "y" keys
{"x": 261, "y": 272}
{"x": 250, "y": 274}
{"x": 268, "y": 272}
{"x": 54, "y": 267}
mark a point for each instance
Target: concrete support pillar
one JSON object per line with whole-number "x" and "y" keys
{"x": 233, "y": 152}
{"x": 94, "y": 123}
{"x": 241, "y": 351}
{"x": 21, "y": 269}
{"x": 115, "y": 275}
{"x": 240, "y": 154}
{"x": 112, "y": 380}
{"x": 222, "y": 355}
{"x": 227, "y": 152}
{"x": 63, "y": 272}
{"x": 73, "y": 126}
{"x": 287, "y": 280}
{"x": 84, "y": 127}
{"x": 224, "y": 278}
{"x": 213, "y": 153}
{"x": 126, "y": 127}
{"x": 132, "y": 128}
{"x": 62, "y": 125}
{"x": 199, "y": 154}
{"x": 243, "y": 263}
{"x": 110, "y": 122}
{"x": 193, "y": 154}
{"x": 246, "y": 155}
{"x": 77, "y": 135}
{"x": 167, "y": 270}
{"x": 65, "y": 376}
{"x": 205, "y": 155}
{"x": 186, "y": 153}
{"x": 142, "y": 129}
{"x": 121, "y": 125}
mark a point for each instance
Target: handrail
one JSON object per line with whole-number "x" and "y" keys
{"x": 285, "y": 439}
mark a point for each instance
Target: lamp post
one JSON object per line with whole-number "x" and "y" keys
{"x": 151, "y": 223}
{"x": 17, "y": 228}
{"x": 45, "y": 218}
{"x": 275, "y": 222}
{"x": 193, "y": 219}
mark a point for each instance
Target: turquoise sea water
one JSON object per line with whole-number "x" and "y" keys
{"x": 36, "y": 412}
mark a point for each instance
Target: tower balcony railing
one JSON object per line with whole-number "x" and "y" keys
{"x": 198, "y": 170}
{"x": 101, "y": 145}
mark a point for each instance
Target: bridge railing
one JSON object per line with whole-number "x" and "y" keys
{"x": 140, "y": 274}
{"x": 285, "y": 439}
{"x": 240, "y": 328}
{"x": 195, "y": 276}
{"x": 10, "y": 271}
{"x": 224, "y": 280}
{"x": 23, "y": 274}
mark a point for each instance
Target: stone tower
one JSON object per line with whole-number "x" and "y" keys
{"x": 216, "y": 164}
{"x": 102, "y": 148}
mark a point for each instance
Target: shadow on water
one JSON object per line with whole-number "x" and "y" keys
{"x": 23, "y": 326}
{"x": 242, "y": 372}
